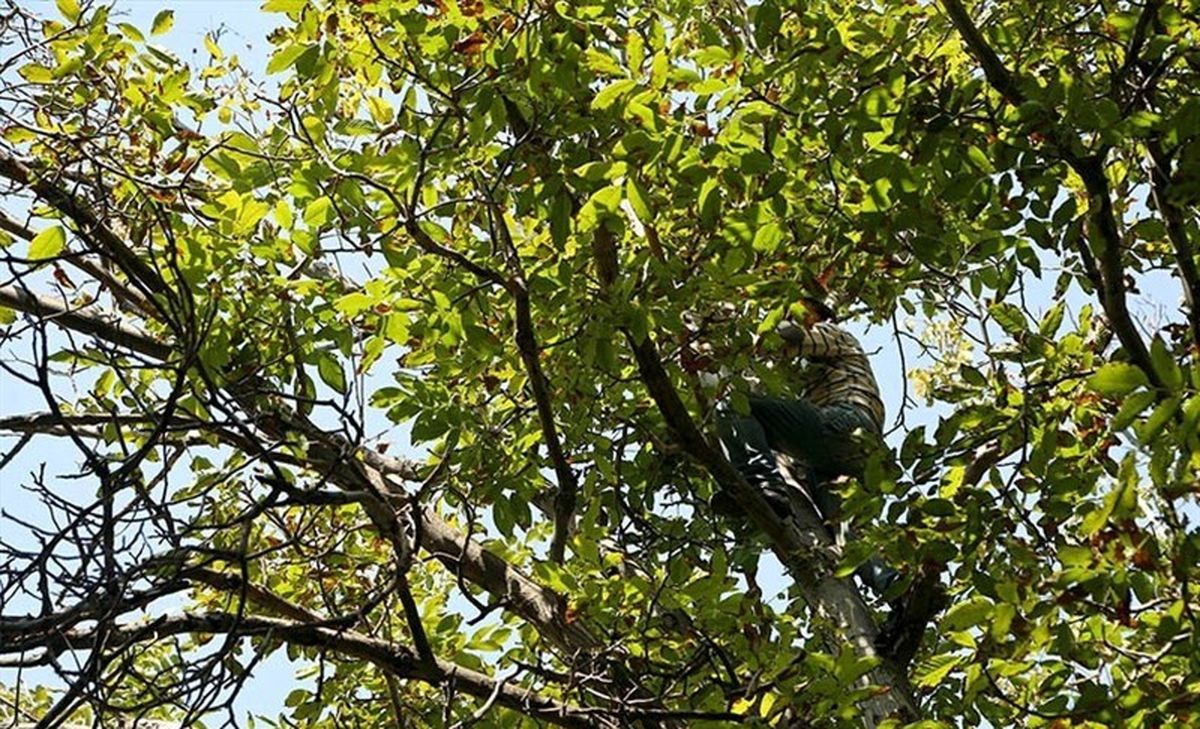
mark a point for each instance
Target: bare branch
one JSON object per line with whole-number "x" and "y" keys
{"x": 84, "y": 320}
{"x": 392, "y": 658}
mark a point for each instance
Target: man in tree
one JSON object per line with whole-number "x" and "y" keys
{"x": 830, "y": 426}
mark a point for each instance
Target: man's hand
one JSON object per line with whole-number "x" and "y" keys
{"x": 696, "y": 359}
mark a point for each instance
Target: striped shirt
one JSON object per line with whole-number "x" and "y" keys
{"x": 837, "y": 370}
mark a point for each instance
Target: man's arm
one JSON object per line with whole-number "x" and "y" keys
{"x": 820, "y": 341}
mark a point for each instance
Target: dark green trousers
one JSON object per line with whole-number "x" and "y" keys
{"x": 823, "y": 438}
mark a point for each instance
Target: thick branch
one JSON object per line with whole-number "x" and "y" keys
{"x": 1133, "y": 51}
{"x": 1102, "y": 225}
{"x": 391, "y": 658}
{"x": 261, "y": 596}
{"x": 85, "y": 321}
{"x": 993, "y": 68}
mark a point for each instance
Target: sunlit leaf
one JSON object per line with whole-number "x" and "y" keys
{"x": 48, "y": 243}
{"x": 163, "y": 22}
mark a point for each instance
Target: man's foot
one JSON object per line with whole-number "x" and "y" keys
{"x": 901, "y": 634}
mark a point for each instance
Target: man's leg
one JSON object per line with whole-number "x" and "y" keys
{"x": 794, "y": 427}
{"x": 746, "y": 446}
{"x": 826, "y": 439}
{"x": 823, "y": 437}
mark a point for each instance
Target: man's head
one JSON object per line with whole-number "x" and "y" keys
{"x": 818, "y": 309}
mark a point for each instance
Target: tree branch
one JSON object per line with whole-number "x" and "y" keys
{"x": 527, "y": 345}
{"x": 1102, "y": 223}
{"x": 391, "y": 658}
{"x": 1133, "y": 51}
{"x": 1103, "y": 226}
{"x": 541, "y": 606}
{"x": 85, "y": 321}
{"x": 994, "y": 69}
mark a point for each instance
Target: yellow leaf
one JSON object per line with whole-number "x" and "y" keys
{"x": 69, "y": 9}
{"x": 49, "y": 243}
{"x": 162, "y": 22}
{"x": 381, "y": 111}
{"x": 212, "y": 47}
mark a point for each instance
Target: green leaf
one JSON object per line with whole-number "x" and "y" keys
{"x": 967, "y": 614}
{"x": 1116, "y": 379}
{"x": 353, "y": 304}
{"x": 1166, "y": 366}
{"x": 36, "y": 73}
{"x": 1052, "y": 321}
{"x": 767, "y": 21}
{"x": 602, "y": 63}
{"x": 768, "y": 237}
{"x": 935, "y": 669}
{"x": 285, "y": 57}
{"x": 635, "y": 51}
{"x": 1009, "y": 317}
{"x": 607, "y": 198}
{"x": 1158, "y": 420}
{"x": 70, "y": 9}
{"x": 609, "y": 94}
{"x": 1118, "y": 503}
{"x": 638, "y": 200}
{"x": 48, "y": 243}
{"x": 395, "y": 328}
{"x": 979, "y": 159}
{"x": 213, "y": 49}
{"x": 659, "y": 67}
{"x": 318, "y": 212}
{"x": 771, "y": 320}
{"x": 131, "y": 32}
{"x": 712, "y": 56}
{"x": 1131, "y": 408}
{"x": 331, "y": 372}
{"x": 283, "y": 214}
{"x": 251, "y": 212}
{"x": 162, "y": 22}
{"x": 284, "y": 6}
{"x": 381, "y": 110}
{"x": 1191, "y": 417}
{"x": 709, "y": 203}
{"x": 560, "y": 218}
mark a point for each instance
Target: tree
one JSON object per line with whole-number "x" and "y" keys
{"x": 505, "y": 212}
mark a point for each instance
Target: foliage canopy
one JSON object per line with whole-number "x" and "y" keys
{"x": 488, "y": 223}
